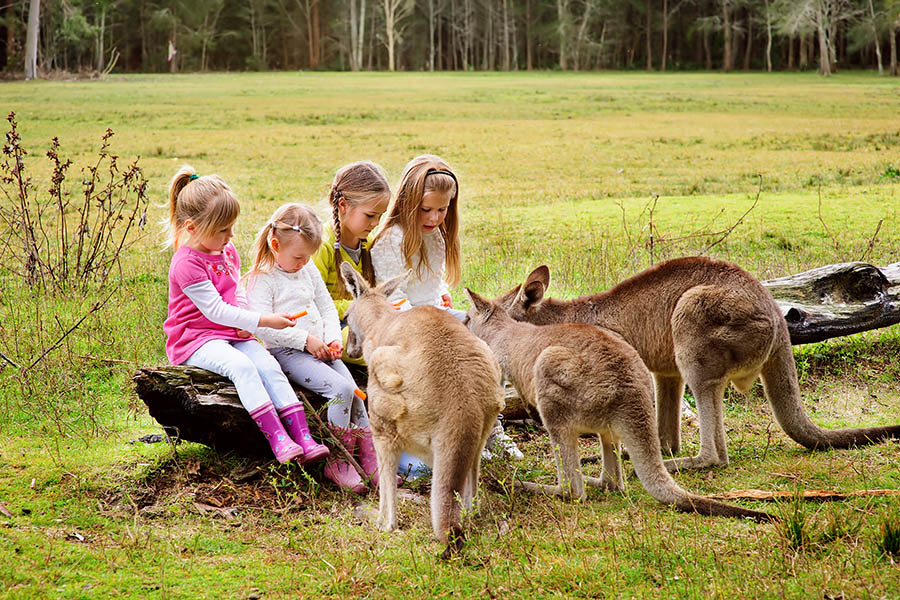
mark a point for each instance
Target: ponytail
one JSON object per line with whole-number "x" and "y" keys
{"x": 207, "y": 201}
{"x": 265, "y": 259}
{"x": 181, "y": 179}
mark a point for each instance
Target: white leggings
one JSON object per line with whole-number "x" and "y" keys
{"x": 257, "y": 376}
{"x": 331, "y": 380}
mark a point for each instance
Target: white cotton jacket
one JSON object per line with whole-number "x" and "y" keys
{"x": 421, "y": 289}
{"x": 279, "y": 291}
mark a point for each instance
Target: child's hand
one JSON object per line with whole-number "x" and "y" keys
{"x": 336, "y": 349}
{"x": 317, "y": 348}
{"x": 276, "y": 321}
{"x": 447, "y": 301}
{"x": 243, "y": 333}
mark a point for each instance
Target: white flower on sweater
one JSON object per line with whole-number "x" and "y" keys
{"x": 423, "y": 289}
{"x": 280, "y": 291}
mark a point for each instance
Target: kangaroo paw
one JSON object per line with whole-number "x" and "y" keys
{"x": 604, "y": 484}
{"x": 693, "y": 462}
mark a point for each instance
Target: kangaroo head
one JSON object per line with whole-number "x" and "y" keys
{"x": 529, "y": 295}
{"x": 480, "y": 310}
{"x": 360, "y": 288}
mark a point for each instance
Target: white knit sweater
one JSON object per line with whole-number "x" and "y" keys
{"x": 280, "y": 291}
{"x": 388, "y": 261}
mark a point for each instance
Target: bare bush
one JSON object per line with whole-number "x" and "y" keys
{"x": 61, "y": 241}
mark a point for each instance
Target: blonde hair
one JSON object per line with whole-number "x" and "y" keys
{"x": 207, "y": 201}
{"x": 357, "y": 183}
{"x": 289, "y": 220}
{"x": 423, "y": 174}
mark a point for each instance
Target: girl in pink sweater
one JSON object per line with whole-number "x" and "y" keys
{"x": 207, "y": 327}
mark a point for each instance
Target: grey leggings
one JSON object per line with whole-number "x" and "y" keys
{"x": 331, "y": 380}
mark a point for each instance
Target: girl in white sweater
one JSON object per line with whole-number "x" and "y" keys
{"x": 422, "y": 233}
{"x": 310, "y": 351}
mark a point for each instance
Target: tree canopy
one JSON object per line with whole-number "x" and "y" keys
{"x": 199, "y": 35}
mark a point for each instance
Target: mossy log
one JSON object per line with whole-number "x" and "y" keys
{"x": 831, "y": 301}
{"x": 199, "y": 406}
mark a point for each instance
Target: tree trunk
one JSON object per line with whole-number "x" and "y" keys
{"x": 431, "y": 40}
{"x": 768, "y": 38}
{"x": 707, "y": 52}
{"x": 506, "y": 53}
{"x": 562, "y": 11}
{"x": 529, "y": 64}
{"x": 649, "y": 35}
{"x": 354, "y": 29}
{"x": 101, "y": 38}
{"x": 665, "y": 36}
{"x": 728, "y": 57}
{"x": 31, "y": 39}
{"x": 876, "y": 40}
{"x": 824, "y": 45}
{"x": 893, "y": 32}
{"x": 749, "y": 48}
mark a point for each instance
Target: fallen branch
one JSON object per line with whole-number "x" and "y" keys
{"x": 817, "y": 495}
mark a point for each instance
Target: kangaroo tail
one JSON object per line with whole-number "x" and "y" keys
{"x": 648, "y": 465}
{"x": 779, "y": 375}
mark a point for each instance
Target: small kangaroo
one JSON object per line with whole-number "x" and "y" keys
{"x": 704, "y": 322}
{"x": 434, "y": 391}
{"x": 584, "y": 379}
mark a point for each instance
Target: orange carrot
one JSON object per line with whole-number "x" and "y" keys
{"x": 360, "y": 394}
{"x": 302, "y": 313}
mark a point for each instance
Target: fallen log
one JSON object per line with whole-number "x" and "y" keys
{"x": 830, "y": 301}
{"x": 838, "y": 300}
{"x": 199, "y": 406}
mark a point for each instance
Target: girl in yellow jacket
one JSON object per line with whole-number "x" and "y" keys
{"x": 359, "y": 196}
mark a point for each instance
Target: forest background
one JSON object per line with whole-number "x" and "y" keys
{"x": 176, "y": 35}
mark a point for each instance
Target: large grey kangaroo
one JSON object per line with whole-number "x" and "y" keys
{"x": 702, "y": 322}
{"x": 434, "y": 391}
{"x": 584, "y": 379}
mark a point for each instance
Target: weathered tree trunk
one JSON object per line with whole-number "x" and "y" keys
{"x": 31, "y": 39}
{"x": 838, "y": 300}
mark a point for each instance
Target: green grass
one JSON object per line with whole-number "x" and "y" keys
{"x": 554, "y": 168}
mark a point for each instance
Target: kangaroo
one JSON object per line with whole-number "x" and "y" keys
{"x": 702, "y": 322}
{"x": 584, "y": 379}
{"x": 434, "y": 391}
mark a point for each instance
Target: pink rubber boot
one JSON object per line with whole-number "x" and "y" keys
{"x": 282, "y": 445}
{"x": 366, "y": 452}
{"x": 294, "y": 418}
{"x": 339, "y": 470}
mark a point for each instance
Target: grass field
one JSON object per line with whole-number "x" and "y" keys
{"x": 597, "y": 175}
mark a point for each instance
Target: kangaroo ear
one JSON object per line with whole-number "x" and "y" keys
{"x": 481, "y": 304}
{"x": 356, "y": 283}
{"x": 508, "y": 299}
{"x": 390, "y": 286}
{"x": 541, "y": 274}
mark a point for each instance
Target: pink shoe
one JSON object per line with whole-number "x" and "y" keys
{"x": 340, "y": 471}
{"x": 294, "y": 418}
{"x": 282, "y": 445}
{"x": 368, "y": 460}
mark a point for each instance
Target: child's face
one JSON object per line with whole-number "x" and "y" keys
{"x": 292, "y": 255}
{"x": 433, "y": 209}
{"x": 358, "y": 221}
{"x": 212, "y": 243}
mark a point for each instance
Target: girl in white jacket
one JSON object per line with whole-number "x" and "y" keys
{"x": 421, "y": 233}
{"x": 309, "y": 352}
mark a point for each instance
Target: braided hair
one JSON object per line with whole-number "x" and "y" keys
{"x": 356, "y": 183}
